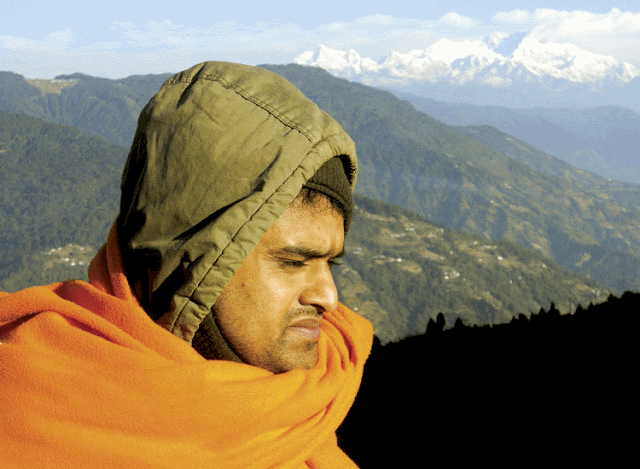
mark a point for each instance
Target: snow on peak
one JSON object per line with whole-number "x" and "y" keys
{"x": 497, "y": 60}
{"x": 503, "y": 43}
{"x": 569, "y": 62}
{"x": 334, "y": 60}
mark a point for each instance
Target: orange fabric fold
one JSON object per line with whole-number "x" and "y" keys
{"x": 87, "y": 379}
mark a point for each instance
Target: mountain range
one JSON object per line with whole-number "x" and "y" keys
{"x": 98, "y": 106}
{"x": 516, "y": 70}
{"x": 600, "y": 139}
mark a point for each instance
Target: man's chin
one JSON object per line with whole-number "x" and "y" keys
{"x": 299, "y": 359}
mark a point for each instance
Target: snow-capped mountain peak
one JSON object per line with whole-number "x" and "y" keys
{"x": 503, "y": 43}
{"x": 336, "y": 60}
{"x": 499, "y": 60}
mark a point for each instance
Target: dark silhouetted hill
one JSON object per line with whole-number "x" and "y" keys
{"x": 543, "y": 389}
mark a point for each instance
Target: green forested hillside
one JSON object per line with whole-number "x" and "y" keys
{"x": 59, "y": 196}
{"x": 57, "y": 187}
{"x": 401, "y": 269}
{"x": 15, "y": 92}
{"x": 602, "y": 139}
{"x": 97, "y": 106}
{"x": 624, "y": 193}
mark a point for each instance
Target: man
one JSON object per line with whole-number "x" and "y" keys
{"x": 210, "y": 334}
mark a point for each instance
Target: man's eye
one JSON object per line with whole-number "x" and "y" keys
{"x": 291, "y": 263}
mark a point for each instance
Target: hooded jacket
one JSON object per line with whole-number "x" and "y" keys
{"x": 86, "y": 375}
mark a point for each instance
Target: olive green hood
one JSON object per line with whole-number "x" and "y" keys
{"x": 219, "y": 153}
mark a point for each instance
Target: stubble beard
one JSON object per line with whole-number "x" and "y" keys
{"x": 291, "y": 352}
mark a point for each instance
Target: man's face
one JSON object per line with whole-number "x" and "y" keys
{"x": 270, "y": 311}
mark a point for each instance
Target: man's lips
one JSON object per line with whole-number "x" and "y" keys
{"x": 308, "y": 328}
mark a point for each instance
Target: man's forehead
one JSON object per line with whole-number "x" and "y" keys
{"x": 315, "y": 200}
{"x": 316, "y": 227}
{"x": 317, "y": 204}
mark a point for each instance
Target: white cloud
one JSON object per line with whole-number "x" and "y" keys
{"x": 580, "y": 22}
{"x": 12, "y": 42}
{"x": 124, "y": 24}
{"x": 59, "y": 38}
{"x": 494, "y": 39}
{"x": 105, "y": 45}
{"x": 587, "y": 23}
{"x": 101, "y": 62}
{"x": 227, "y": 34}
{"x": 446, "y": 51}
{"x": 377, "y": 36}
{"x": 538, "y": 16}
{"x": 454, "y": 19}
{"x": 333, "y": 26}
{"x": 512, "y": 17}
{"x": 614, "y": 33}
{"x": 547, "y": 15}
{"x": 54, "y": 40}
{"x": 377, "y": 19}
{"x": 164, "y": 34}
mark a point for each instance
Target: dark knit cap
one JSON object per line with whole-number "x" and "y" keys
{"x": 331, "y": 180}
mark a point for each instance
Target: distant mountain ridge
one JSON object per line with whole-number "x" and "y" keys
{"x": 98, "y": 106}
{"x": 498, "y": 60}
{"x": 516, "y": 69}
{"x": 401, "y": 270}
{"x": 601, "y": 139}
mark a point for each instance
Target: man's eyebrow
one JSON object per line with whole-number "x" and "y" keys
{"x": 304, "y": 251}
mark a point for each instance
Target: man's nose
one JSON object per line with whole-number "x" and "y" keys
{"x": 321, "y": 291}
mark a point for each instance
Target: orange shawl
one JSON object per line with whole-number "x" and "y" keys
{"x": 88, "y": 379}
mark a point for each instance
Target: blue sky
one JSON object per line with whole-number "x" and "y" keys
{"x": 44, "y": 38}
